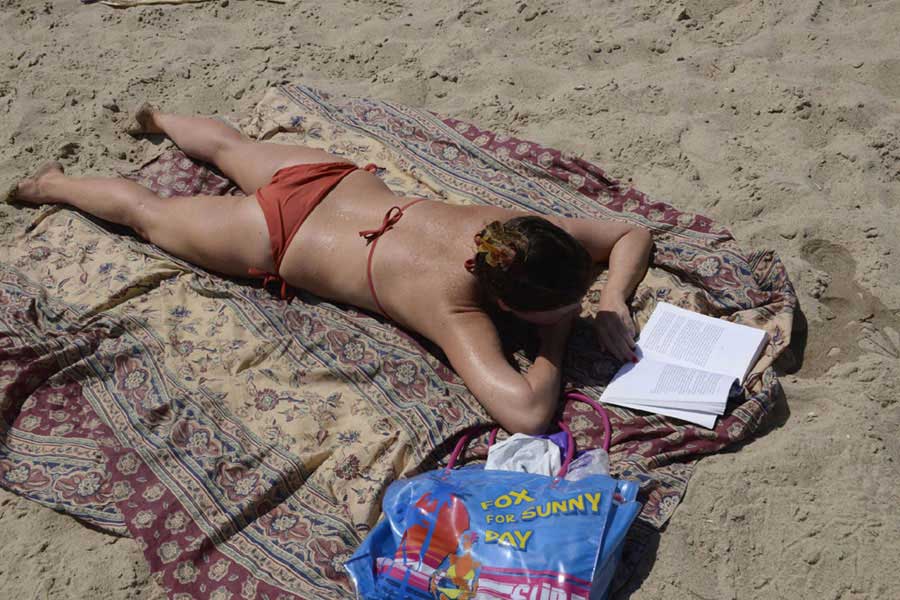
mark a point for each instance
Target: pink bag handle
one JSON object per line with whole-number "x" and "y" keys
{"x": 570, "y": 447}
{"x": 607, "y": 428}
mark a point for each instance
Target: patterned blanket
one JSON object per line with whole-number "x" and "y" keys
{"x": 245, "y": 442}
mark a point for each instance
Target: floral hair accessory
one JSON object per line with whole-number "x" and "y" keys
{"x": 497, "y": 247}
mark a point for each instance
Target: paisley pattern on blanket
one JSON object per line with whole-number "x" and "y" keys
{"x": 244, "y": 442}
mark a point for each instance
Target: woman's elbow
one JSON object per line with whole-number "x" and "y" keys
{"x": 643, "y": 244}
{"x": 533, "y": 420}
{"x": 531, "y": 427}
{"x": 643, "y": 235}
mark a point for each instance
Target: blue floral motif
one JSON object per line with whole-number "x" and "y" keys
{"x": 348, "y": 437}
{"x": 180, "y": 312}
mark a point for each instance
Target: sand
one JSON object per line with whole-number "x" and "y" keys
{"x": 779, "y": 119}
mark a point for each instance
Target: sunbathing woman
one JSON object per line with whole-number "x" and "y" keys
{"x": 437, "y": 271}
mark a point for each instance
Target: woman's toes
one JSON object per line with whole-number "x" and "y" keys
{"x": 33, "y": 189}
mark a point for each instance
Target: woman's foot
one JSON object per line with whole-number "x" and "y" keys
{"x": 33, "y": 190}
{"x": 143, "y": 121}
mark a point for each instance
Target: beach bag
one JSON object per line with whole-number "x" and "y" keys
{"x": 467, "y": 533}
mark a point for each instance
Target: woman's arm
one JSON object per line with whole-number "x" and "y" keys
{"x": 626, "y": 248}
{"x": 527, "y": 402}
{"x": 520, "y": 403}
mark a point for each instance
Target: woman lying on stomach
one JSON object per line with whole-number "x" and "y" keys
{"x": 301, "y": 224}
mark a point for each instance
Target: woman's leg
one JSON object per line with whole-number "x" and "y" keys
{"x": 226, "y": 234}
{"x": 249, "y": 164}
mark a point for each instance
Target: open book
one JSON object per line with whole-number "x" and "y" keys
{"x": 688, "y": 363}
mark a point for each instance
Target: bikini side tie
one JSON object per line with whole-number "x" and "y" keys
{"x": 268, "y": 278}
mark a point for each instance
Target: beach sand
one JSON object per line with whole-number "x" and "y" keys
{"x": 778, "y": 119}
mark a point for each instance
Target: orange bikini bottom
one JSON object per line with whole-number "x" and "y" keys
{"x": 293, "y": 194}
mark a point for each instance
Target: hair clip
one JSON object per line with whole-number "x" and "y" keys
{"x": 497, "y": 253}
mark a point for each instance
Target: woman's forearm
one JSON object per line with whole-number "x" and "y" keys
{"x": 545, "y": 375}
{"x": 628, "y": 261}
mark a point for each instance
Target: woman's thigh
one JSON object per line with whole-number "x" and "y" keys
{"x": 225, "y": 234}
{"x": 252, "y": 164}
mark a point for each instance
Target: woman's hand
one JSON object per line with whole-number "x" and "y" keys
{"x": 615, "y": 329}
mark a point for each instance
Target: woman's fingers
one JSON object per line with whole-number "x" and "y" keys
{"x": 629, "y": 331}
{"x": 626, "y": 324}
{"x": 605, "y": 341}
{"x": 625, "y": 327}
{"x": 614, "y": 344}
{"x": 625, "y": 352}
{"x": 616, "y": 335}
{"x": 624, "y": 339}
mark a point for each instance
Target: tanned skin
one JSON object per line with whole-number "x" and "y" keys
{"x": 418, "y": 267}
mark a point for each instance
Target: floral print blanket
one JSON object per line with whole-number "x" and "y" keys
{"x": 244, "y": 442}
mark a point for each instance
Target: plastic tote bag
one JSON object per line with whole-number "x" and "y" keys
{"x": 467, "y": 533}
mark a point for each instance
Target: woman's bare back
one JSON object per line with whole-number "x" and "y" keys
{"x": 418, "y": 266}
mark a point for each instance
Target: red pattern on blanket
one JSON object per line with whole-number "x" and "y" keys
{"x": 65, "y": 373}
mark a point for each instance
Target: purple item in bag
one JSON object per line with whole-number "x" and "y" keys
{"x": 560, "y": 439}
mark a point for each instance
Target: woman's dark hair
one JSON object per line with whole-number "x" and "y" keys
{"x": 531, "y": 264}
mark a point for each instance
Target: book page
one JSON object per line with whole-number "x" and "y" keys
{"x": 664, "y": 384}
{"x": 690, "y": 339}
{"x": 699, "y": 407}
{"x": 703, "y": 419}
